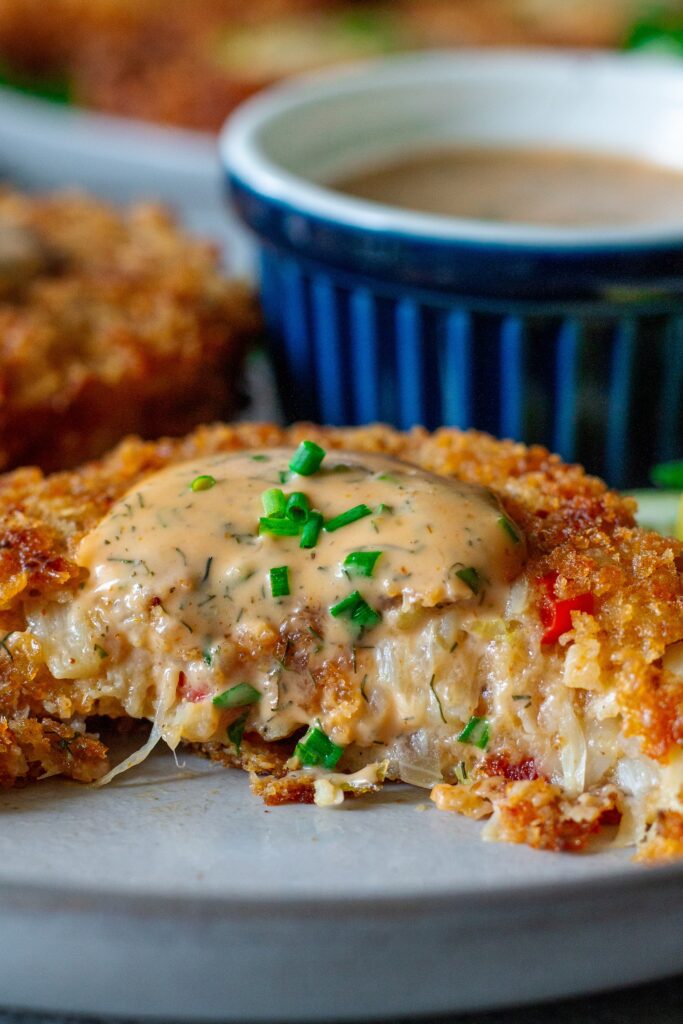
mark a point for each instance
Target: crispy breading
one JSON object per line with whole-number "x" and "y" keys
{"x": 127, "y": 326}
{"x": 575, "y": 527}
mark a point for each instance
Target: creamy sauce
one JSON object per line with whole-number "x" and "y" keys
{"x": 178, "y": 605}
{"x": 543, "y": 187}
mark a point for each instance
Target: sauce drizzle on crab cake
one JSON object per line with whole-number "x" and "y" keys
{"x": 367, "y": 631}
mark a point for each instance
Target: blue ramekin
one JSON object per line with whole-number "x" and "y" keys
{"x": 571, "y": 337}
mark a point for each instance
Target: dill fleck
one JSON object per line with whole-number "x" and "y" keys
{"x": 3, "y": 644}
{"x": 433, "y": 689}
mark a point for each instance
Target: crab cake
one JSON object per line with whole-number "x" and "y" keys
{"x": 332, "y": 608}
{"x": 110, "y": 323}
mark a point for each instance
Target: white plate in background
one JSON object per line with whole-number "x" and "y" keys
{"x": 46, "y": 145}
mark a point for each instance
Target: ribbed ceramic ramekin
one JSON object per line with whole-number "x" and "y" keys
{"x": 572, "y": 337}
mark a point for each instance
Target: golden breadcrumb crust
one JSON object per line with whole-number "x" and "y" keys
{"x": 574, "y": 525}
{"x": 122, "y": 324}
{"x": 161, "y": 59}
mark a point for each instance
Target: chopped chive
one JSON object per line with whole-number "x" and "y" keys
{"x": 668, "y": 474}
{"x": 351, "y": 515}
{"x": 361, "y": 563}
{"x": 203, "y": 483}
{"x": 311, "y": 530}
{"x": 476, "y": 732}
{"x": 236, "y": 730}
{"x": 298, "y": 507}
{"x": 509, "y": 529}
{"x": 274, "y": 502}
{"x": 279, "y": 527}
{"x": 317, "y": 748}
{"x": 307, "y": 458}
{"x": 436, "y": 697}
{"x": 239, "y": 696}
{"x": 471, "y": 578}
{"x": 357, "y": 610}
{"x": 279, "y": 581}
{"x": 101, "y": 651}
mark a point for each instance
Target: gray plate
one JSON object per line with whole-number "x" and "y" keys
{"x": 175, "y": 893}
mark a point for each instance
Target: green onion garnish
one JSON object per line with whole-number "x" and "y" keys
{"x": 311, "y": 530}
{"x": 203, "y": 483}
{"x": 361, "y": 563}
{"x": 317, "y": 748}
{"x": 279, "y": 581}
{"x": 279, "y": 527}
{"x": 298, "y": 507}
{"x": 307, "y": 458}
{"x": 510, "y": 530}
{"x": 470, "y": 577}
{"x": 236, "y": 730}
{"x": 351, "y": 515}
{"x": 476, "y": 732}
{"x": 274, "y": 502}
{"x": 357, "y": 610}
{"x": 239, "y": 696}
{"x": 668, "y": 474}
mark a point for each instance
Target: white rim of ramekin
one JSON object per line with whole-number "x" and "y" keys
{"x": 244, "y": 159}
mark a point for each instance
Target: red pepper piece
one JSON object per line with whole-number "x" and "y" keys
{"x": 556, "y": 615}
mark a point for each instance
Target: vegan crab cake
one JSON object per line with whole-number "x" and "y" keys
{"x": 110, "y": 323}
{"x": 332, "y": 608}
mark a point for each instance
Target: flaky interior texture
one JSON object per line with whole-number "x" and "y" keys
{"x": 586, "y": 727}
{"x": 111, "y": 322}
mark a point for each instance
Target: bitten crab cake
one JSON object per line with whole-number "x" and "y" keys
{"x": 110, "y": 323}
{"x": 333, "y": 609}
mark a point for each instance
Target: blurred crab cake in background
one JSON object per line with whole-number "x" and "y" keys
{"x": 191, "y": 63}
{"x": 110, "y": 323}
